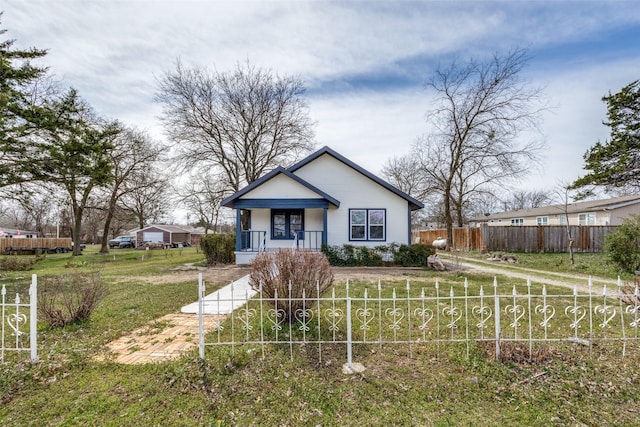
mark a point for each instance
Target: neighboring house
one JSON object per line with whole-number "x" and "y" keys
{"x": 594, "y": 212}
{"x": 325, "y": 199}
{"x": 168, "y": 234}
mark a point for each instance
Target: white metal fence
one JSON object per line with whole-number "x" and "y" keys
{"x": 353, "y": 316}
{"x": 19, "y": 322}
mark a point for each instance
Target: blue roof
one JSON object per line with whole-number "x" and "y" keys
{"x": 415, "y": 204}
{"x": 230, "y": 201}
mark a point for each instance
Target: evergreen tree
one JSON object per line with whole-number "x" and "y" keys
{"x": 615, "y": 164}
{"x": 20, "y": 115}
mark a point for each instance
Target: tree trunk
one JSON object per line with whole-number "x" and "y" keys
{"x": 104, "y": 243}
{"x": 448, "y": 219}
{"x": 77, "y": 228}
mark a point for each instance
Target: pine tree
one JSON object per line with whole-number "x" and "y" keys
{"x": 615, "y": 164}
{"x": 20, "y": 116}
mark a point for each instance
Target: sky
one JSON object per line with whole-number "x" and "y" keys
{"x": 364, "y": 63}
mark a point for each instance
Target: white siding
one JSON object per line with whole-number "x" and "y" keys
{"x": 281, "y": 187}
{"x": 355, "y": 191}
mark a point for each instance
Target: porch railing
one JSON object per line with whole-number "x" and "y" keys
{"x": 252, "y": 240}
{"x": 311, "y": 240}
{"x": 256, "y": 240}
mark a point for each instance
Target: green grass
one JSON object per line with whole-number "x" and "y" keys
{"x": 585, "y": 263}
{"x": 563, "y": 385}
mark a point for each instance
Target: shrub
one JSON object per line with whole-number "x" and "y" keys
{"x": 412, "y": 255}
{"x": 70, "y": 298}
{"x": 351, "y": 255}
{"x": 304, "y": 270}
{"x": 218, "y": 248}
{"x": 623, "y": 245}
{"x": 14, "y": 263}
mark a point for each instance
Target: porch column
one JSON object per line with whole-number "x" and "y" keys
{"x": 238, "y": 231}
{"x": 324, "y": 226}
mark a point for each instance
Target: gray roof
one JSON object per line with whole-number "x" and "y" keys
{"x": 577, "y": 207}
{"x": 166, "y": 227}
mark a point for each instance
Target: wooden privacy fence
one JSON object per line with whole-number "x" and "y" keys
{"x": 546, "y": 238}
{"x": 464, "y": 238}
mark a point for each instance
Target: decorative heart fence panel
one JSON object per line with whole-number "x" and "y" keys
{"x": 354, "y": 315}
{"x": 18, "y": 323}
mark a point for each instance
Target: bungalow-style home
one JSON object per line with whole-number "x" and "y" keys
{"x": 171, "y": 235}
{"x": 593, "y": 212}
{"x": 325, "y": 199}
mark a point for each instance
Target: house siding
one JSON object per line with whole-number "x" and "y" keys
{"x": 612, "y": 211}
{"x": 619, "y": 215}
{"x": 609, "y": 217}
{"x": 355, "y": 191}
{"x": 281, "y": 187}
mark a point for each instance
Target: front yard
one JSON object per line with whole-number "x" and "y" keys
{"x": 561, "y": 385}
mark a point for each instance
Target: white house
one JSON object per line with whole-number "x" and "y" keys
{"x": 325, "y": 199}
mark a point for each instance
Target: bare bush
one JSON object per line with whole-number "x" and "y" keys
{"x": 305, "y": 270}
{"x": 628, "y": 291}
{"x": 70, "y": 298}
{"x": 13, "y": 263}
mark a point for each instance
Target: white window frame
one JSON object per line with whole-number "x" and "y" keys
{"x": 517, "y": 222}
{"x": 562, "y": 219}
{"x": 587, "y": 218}
{"x": 542, "y": 220}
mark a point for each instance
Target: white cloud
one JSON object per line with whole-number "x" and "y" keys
{"x": 364, "y": 62}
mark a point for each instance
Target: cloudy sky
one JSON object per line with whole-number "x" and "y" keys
{"x": 364, "y": 63}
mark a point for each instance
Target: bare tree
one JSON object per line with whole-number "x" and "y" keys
{"x": 132, "y": 156}
{"x": 147, "y": 198}
{"x": 242, "y": 122}
{"x": 482, "y": 108}
{"x": 523, "y": 199}
{"x": 32, "y": 208}
{"x": 202, "y": 196}
{"x": 563, "y": 191}
{"x": 405, "y": 174}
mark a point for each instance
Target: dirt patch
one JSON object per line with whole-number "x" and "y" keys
{"x": 373, "y": 274}
{"x": 220, "y": 275}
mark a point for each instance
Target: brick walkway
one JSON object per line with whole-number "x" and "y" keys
{"x": 165, "y": 338}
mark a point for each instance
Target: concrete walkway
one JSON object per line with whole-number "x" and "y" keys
{"x": 175, "y": 334}
{"x": 225, "y": 300}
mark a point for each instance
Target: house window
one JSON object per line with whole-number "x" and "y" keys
{"x": 367, "y": 224}
{"x": 542, "y": 220}
{"x": 517, "y": 221}
{"x": 563, "y": 220}
{"x": 587, "y": 219}
{"x": 285, "y": 224}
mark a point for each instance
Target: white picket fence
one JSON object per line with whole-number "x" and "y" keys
{"x": 19, "y": 322}
{"x": 426, "y": 315}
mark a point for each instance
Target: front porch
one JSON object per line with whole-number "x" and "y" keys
{"x": 251, "y": 242}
